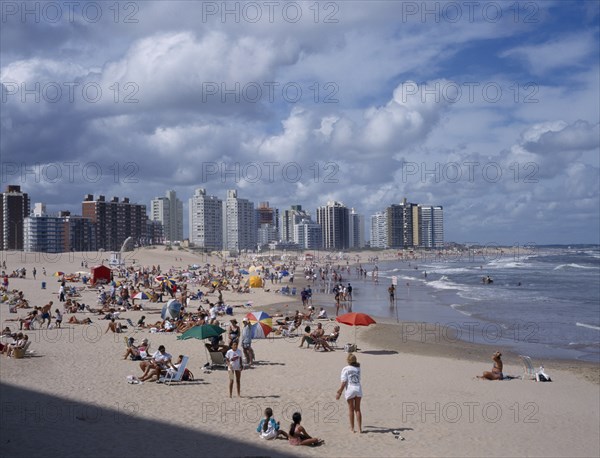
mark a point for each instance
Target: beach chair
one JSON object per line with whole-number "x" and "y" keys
{"x": 130, "y": 323}
{"x": 19, "y": 353}
{"x": 529, "y": 372}
{"x": 333, "y": 343}
{"x": 294, "y": 291}
{"x": 291, "y": 332}
{"x": 172, "y": 376}
{"x": 216, "y": 359}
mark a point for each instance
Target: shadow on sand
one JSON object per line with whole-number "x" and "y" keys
{"x": 35, "y": 424}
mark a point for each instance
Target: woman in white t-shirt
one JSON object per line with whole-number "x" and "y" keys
{"x": 351, "y": 382}
{"x": 234, "y": 366}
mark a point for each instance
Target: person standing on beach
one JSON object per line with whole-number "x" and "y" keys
{"x": 61, "y": 292}
{"x": 392, "y": 292}
{"x": 351, "y": 382}
{"x": 247, "y": 342}
{"x": 235, "y": 367}
{"x": 34, "y": 272}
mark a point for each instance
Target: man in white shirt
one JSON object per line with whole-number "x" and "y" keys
{"x": 160, "y": 363}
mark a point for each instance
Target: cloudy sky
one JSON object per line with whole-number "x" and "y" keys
{"x": 490, "y": 109}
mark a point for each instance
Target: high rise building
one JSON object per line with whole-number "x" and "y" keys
{"x": 308, "y": 235}
{"x": 356, "y": 230}
{"x": 267, "y": 220}
{"x": 335, "y": 229}
{"x": 431, "y": 226}
{"x": 379, "y": 230}
{"x": 43, "y": 233}
{"x": 56, "y": 234}
{"x": 169, "y": 211}
{"x": 79, "y": 233}
{"x": 206, "y": 220}
{"x": 239, "y": 223}
{"x": 115, "y": 220}
{"x": 14, "y": 208}
{"x": 289, "y": 218}
{"x": 400, "y": 225}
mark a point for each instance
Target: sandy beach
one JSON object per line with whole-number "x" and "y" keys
{"x": 71, "y": 398}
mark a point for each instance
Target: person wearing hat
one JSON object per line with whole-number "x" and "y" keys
{"x": 351, "y": 383}
{"x": 247, "y": 342}
{"x": 233, "y": 332}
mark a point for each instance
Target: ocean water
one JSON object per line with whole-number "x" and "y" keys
{"x": 544, "y": 302}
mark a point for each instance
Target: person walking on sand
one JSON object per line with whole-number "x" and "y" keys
{"x": 234, "y": 367}
{"x": 351, "y": 382}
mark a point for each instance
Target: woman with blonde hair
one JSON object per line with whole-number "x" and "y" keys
{"x": 351, "y": 383}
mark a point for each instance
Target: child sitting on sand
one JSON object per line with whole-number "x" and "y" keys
{"x": 268, "y": 428}
{"x": 298, "y": 435}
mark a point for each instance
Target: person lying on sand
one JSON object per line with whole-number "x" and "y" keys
{"x": 74, "y": 320}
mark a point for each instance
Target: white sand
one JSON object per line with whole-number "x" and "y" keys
{"x": 72, "y": 398}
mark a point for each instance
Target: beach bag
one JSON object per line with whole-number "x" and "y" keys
{"x": 350, "y": 348}
{"x": 542, "y": 377}
{"x": 187, "y": 375}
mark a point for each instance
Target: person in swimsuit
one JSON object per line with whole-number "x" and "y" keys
{"x": 233, "y": 332}
{"x": 298, "y": 435}
{"x": 496, "y": 373}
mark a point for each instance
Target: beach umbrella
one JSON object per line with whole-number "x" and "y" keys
{"x": 194, "y": 267}
{"x": 285, "y": 273}
{"x": 255, "y": 282}
{"x": 141, "y": 295}
{"x": 58, "y": 274}
{"x": 171, "y": 309}
{"x": 252, "y": 269}
{"x": 202, "y": 332}
{"x": 244, "y": 272}
{"x": 262, "y": 324}
{"x": 355, "y": 319}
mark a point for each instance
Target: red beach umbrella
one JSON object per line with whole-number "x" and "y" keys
{"x": 355, "y": 319}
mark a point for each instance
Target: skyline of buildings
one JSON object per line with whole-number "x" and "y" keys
{"x": 232, "y": 224}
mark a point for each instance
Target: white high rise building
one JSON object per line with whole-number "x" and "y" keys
{"x": 239, "y": 228}
{"x": 43, "y": 233}
{"x": 307, "y": 234}
{"x": 357, "y": 230}
{"x": 206, "y": 220}
{"x": 169, "y": 211}
{"x": 431, "y": 225}
{"x": 379, "y": 230}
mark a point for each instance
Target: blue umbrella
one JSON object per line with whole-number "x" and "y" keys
{"x": 285, "y": 273}
{"x": 171, "y": 310}
{"x": 243, "y": 271}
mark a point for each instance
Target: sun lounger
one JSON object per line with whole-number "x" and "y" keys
{"x": 529, "y": 371}
{"x": 22, "y": 352}
{"x": 216, "y": 359}
{"x": 172, "y": 376}
{"x": 130, "y": 323}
